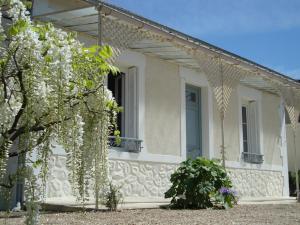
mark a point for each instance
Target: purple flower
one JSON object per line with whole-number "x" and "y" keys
{"x": 227, "y": 191}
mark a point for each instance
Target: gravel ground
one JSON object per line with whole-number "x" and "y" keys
{"x": 240, "y": 215}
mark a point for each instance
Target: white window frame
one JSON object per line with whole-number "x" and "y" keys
{"x": 246, "y": 94}
{"x": 252, "y": 123}
{"x": 198, "y": 79}
{"x": 131, "y": 103}
{"x": 133, "y": 115}
{"x": 244, "y": 104}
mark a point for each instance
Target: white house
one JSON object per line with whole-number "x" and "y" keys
{"x": 182, "y": 98}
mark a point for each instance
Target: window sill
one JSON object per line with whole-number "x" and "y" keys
{"x": 126, "y": 144}
{"x": 252, "y": 158}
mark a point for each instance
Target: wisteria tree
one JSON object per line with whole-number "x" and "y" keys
{"x": 52, "y": 89}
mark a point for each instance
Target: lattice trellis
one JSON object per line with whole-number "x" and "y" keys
{"x": 223, "y": 78}
{"x": 121, "y": 35}
{"x": 291, "y": 98}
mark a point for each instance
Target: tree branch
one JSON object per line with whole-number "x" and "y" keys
{"x": 24, "y": 96}
{"x": 35, "y": 128}
{"x": 10, "y": 183}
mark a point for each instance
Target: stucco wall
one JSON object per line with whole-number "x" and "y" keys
{"x": 148, "y": 181}
{"x": 231, "y": 125}
{"x": 162, "y": 107}
{"x": 251, "y": 183}
{"x": 271, "y": 129}
{"x": 290, "y": 145}
{"x": 139, "y": 181}
{"x": 270, "y": 124}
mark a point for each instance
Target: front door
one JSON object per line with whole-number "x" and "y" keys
{"x": 193, "y": 122}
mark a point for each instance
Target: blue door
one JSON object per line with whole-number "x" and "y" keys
{"x": 193, "y": 122}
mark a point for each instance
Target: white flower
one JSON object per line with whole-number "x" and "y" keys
{"x": 109, "y": 95}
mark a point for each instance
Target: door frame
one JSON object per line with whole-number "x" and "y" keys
{"x": 199, "y": 106}
{"x": 198, "y": 79}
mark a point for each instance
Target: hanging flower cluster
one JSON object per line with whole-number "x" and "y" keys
{"x": 52, "y": 89}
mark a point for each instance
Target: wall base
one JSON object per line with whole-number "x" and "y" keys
{"x": 148, "y": 181}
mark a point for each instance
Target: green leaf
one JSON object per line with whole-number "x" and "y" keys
{"x": 105, "y": 52}
{"x": 37, "y": 163}
{"x": 89, "y": 84}
{"x": 17, "y": 27}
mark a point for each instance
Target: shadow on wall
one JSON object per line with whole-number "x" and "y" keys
{"x": 292, "y": 183}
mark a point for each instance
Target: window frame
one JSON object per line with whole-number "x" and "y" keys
{"x": 246, "y": 96}
{"x": 246, "y": 123}
{"x": 128, "y": 143}
{"x": 120, "y": 76}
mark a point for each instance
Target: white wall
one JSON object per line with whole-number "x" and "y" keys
{"x": 271, "y": 129}
{"x": 162, "y": 107}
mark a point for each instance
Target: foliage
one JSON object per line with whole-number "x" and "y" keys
{"x": 52, "y": 91}
{"x": 195, "y": 182}
{"x": 292, "y": 182}
{"x": 113, "y": 197}
{"x": 225, "y": 198}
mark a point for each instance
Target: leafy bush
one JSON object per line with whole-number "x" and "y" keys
{"x": 196, "y": 183}
{"x": 113, "y": 197}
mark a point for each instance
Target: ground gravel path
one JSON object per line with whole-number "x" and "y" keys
{"x": 240, "y": 215}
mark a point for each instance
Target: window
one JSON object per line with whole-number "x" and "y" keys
{"x": 250, "y": 136}
{"x": 245, "y": 128}
{"x": 116, "y": 84}
{"x": 124, "y": 89}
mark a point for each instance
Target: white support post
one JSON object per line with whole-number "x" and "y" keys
{"x": 284, "y": 153}
{"x": 222, "y": 114}
{"x": 296, "y": 168}
{"x": 291, "y": 102}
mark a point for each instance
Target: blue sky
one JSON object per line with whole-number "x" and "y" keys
{"x": 265, "y": 31}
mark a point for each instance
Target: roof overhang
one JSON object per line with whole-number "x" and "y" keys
{"x": 176, "y": 47}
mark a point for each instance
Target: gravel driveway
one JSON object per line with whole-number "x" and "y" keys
{"x": 240, "y": 215}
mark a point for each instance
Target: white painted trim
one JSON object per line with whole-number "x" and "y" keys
{"x": 134, "y": 59}
{"x": 126, "y": 60}
{"x": 183, "y": 120}
{"x": 131, "y": 103}
{"x": 210, "y": 109}
{"x": 251, "y": 166}
{"x": 119, "y": 155}
{"x": 283, "y": 149}
{"x": 250, "y": 94}
{"x": 145, "y": 157}
{"x": 197, "y": 79}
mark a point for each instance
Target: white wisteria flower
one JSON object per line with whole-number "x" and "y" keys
{"x": 52, "y": 90}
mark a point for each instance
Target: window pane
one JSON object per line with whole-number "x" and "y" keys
{"x": 245, "y": 129}
{"x": 245, "y": 146}
{"x": 245, "y": 134}
{"x": 244, "y": 114}
{"x": 114, "y": 84}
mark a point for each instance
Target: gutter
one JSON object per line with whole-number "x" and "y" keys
{"x": 194, "y": 43}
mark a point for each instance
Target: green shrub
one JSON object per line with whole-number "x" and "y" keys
{"x": 196, "y": 184}
{"x": 113, "y": 197}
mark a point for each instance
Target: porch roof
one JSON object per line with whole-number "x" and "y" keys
{"x": 168, "y": 44}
